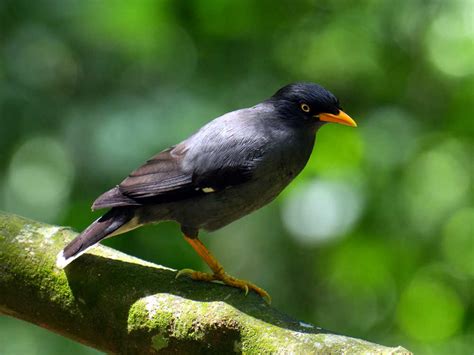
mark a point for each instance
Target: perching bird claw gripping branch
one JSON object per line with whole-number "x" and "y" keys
{"x": 120, "y": 304}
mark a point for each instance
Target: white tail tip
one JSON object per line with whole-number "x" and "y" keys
{"x": 61, "y": 261}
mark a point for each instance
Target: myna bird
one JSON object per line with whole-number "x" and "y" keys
{"x": 232, "y": 166}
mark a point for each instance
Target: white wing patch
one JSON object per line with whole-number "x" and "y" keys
{"x": 208, "y": 190}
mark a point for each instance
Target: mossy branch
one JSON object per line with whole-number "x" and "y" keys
{"x": 120, "y": 304}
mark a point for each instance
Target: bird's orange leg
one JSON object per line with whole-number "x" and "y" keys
{"x": 218, "y": 271}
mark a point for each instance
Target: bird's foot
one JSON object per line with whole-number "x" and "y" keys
{"x": 226, "y": 279}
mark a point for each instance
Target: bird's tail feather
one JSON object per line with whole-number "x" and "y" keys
{"x": 98, "y": 230}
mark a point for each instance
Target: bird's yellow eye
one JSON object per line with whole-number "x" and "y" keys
{"x": 305, "y": 107}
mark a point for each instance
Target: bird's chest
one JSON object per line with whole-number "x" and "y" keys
{"x": 286, "y": 160}
{"x": 276, "y": 171}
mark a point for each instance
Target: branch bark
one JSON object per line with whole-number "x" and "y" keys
{"x": 120, "y": 304}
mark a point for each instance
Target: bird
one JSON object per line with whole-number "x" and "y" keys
{"x": 232, "y": 166}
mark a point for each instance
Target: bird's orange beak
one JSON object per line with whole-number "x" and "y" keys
{"x": 341, "y": 117}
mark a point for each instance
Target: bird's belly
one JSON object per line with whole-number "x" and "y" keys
{"x": 217, "y": 209}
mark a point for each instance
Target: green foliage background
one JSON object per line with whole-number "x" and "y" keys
{"x": 373, "y": 240}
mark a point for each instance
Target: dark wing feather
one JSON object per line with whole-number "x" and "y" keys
{"x": 159, "y": 175}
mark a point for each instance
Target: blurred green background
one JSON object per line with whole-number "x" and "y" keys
{"x": 374, "y": 239}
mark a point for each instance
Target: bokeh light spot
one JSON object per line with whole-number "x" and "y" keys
{"x": 429, "y": 311}
{"x": 390, "y": 137}
{"x": 39, "y": 179}
{"x": 324, "y": 48}
{"x": 436, "y": 183}
{"x": 451, "y": 39}
{"x": 320, "y": 210}
{"x": 458, "y": 241}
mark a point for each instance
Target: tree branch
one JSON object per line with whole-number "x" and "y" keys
{"x": 120, "y": 304}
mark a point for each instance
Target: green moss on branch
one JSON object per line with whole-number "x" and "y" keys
{"x": 120, "y": 304}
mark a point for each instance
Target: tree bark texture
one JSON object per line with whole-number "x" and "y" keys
{"x": 120, "y": 304}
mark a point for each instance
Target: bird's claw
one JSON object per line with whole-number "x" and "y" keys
{"x": 187, "y": 272}
{"x": 246, "y": 289}
{"x": 245, "y": 286}
{"x": 183, "y": 272}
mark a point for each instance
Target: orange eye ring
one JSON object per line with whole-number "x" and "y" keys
{"x": 305, "y": 107}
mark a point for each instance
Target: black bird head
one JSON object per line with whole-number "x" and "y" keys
{"x": 311, "y": 103}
